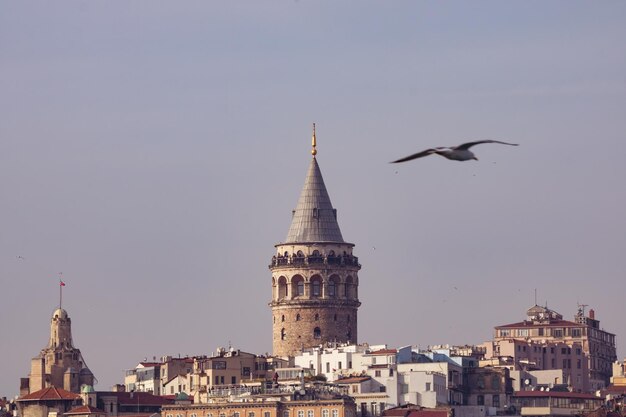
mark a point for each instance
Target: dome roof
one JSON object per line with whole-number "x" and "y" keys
{"x": 59, "y": 313}
{"x": 86, "y": 371}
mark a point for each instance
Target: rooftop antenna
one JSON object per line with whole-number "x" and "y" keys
{"x": 582, "y": 307}
{"x": 313, "y": 143}
{"x": 535, "y": 296}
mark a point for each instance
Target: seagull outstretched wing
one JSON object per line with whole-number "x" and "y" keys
{"x": 468, "y": 145}
{"x": 416, "y": 155}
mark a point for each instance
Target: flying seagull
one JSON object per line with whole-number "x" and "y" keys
{"x": 455, "y": 153}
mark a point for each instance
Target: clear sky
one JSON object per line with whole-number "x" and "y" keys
{"x": 153, "y": 151}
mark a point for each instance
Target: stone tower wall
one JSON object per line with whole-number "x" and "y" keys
{"x": 299, "y": 323}
{"x": 314, "y": 296}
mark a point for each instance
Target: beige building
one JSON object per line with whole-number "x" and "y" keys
{"x": 546, "y": 341}
{"x": 59, "y": 364}
{"x": 251, "y": 402}
{"x": 314, "y": 275}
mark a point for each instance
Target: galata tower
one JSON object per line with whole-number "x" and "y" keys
{"x": 314, "y": 275}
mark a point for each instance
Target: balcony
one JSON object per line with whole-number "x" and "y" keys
{"x": 300, "y": 261}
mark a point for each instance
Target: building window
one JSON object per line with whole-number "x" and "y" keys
{"x": 377, "y": 372}
{"x": 495, "y": 401}
{"x": 325, "y": 413}
{"x": 480, "y": 400}
{"x": 309, "y": 413}
{"x": 339, "y": 365}
{"x": 317, "y": 333}
{"x": 557, "y": 332}
{"x": 428, "y": 386}
{"x": 332, "y": 287}
{"x": 316, "y": 287}
{"x": 209, "y": 414}
{"x": 327, "y": 367}
{"x": 335, "y": 317}
{"x": 251, "y": 414}
{"x": 222, "y": 415}
{"x": 335, "y": 413}
{"x": 390, "y": 371}
{"x": 300, "y": 287}
{"x": 283, "y": 334}
{"x": 300, "y": 413}
{"x": 578, "y": 364}
{"x": 233, "y": 380}
{"x": 317, "y": 317}
{"x": 286, "y": 413}
{"x": 267, "y": 414}
{"x": 298, "y": 317}
{"x": 563, "y": 351}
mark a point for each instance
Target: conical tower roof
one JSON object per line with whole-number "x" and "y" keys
{"x": 314, "y": 219}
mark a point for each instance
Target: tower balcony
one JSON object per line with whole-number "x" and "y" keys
{"x": 315, "y": 261}
{"x": 303, "y": 302}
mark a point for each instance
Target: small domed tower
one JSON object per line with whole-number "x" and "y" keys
{"x": 59, "y": 364}
{"x": 314, "y": 275}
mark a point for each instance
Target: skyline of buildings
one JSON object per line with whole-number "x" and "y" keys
{"x": 314, "y": 301}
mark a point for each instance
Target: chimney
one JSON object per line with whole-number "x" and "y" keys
{"x": 592, "y": 314}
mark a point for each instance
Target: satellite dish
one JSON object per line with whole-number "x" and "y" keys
{"x": 527, "y": 381}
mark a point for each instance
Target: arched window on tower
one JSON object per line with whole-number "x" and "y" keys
{"x": 298, "y": 317}
{"x": 317, "y": 317}
{"x": 316, "y": 286}
{"x": 348, "y": 291}
{"x": 282, "y": 288}
{"x": 332, "y": 288}
{"x": 317, "y": 333}
{"x": 283, "y": 334}
{"x": 349, "y": 335}
{"x": 297, "y": 286}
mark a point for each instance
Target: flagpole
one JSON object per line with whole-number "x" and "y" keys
{"x": 60, "y": 291}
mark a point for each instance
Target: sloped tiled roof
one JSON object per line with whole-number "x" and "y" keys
{"x": 555, "y": 394}
{"x": 137, "y": 398}
{"x": 50, "y": 394}
{"x": 85, "y": 409}
{"x": 553, "y": 323}
{"x": 384, "y": 352}
{"x": 314, "y": 219}
{"x": 407, "y": 412}
{"x": 352, "y": 380}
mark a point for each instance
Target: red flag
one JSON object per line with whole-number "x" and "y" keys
{"x": 61, "y": 283}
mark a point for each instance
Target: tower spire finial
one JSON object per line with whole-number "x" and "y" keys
{"x": 313, "y": 143}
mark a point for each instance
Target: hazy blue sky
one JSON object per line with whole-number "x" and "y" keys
{"x": 153, "y": 151}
